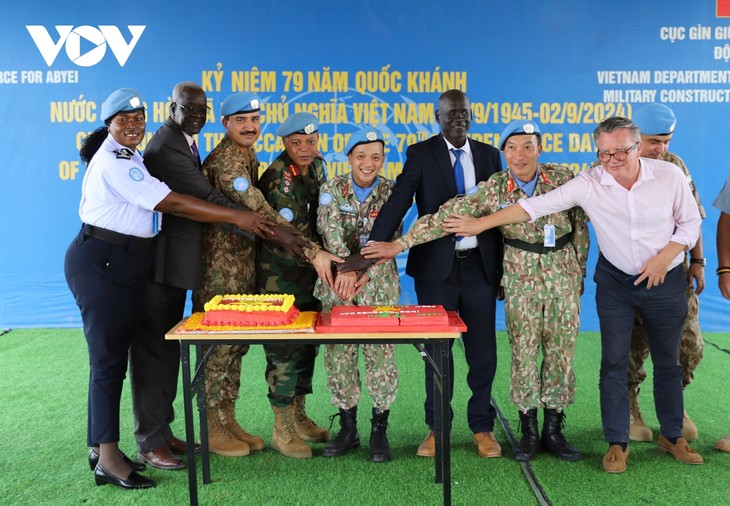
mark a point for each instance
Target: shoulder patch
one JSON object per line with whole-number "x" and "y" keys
{"x": 325, "y": 199}
{"x": 241, "y": 184}
{"x": 136, "y": 174}
{"x": 287, "y": 214}
{"x": 124, "y": 154}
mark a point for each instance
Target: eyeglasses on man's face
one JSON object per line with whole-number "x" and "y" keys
{"x": 193, "y": 109}
{"x": 619, "y": 155}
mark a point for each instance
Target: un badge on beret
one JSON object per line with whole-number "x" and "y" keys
{"x": 254, "y": 104}
{"x": 286, "y": 213}
{"x": 528, "y": 128}
{"x": 371, "y": 136}
{"x": 325, "y": 199}
{"x": 309, "y": 128}
{"x": 241, "y": 184}
{"x": 136, "y": 174}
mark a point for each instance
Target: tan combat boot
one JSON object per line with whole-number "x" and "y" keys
{"x": 638, "y": 431}
{"x": 306, "y": 428}
{"x": 221, "y": 441}
{"x": 227, "y": 416}
{"x": 284, "y": 438}
{"x": 689, "y": 430}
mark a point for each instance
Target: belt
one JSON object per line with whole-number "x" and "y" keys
{"x": 464, "y": 253}
{"x": 539, "y": 248}
{"x": 143, "y": 243}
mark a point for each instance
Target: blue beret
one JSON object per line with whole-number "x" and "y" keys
{"x": 655, "y": 119}
{"x": 240, "y": 103}
{"x": 122, "y": 100}
{"x": 298, "y": 123}
{"x": 518, "y": 127}
{"x": 364, "y": 136}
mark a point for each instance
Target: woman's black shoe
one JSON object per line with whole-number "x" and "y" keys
{"x": 133, "y": 481}
{"x": 136, "y": 466}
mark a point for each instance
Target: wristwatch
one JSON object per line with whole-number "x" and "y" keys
{"x": 701, "y": 261}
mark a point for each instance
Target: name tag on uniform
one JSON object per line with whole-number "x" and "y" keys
{"x": 549, "y": 233}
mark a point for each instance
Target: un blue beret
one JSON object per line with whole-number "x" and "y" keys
{"x": 122, "y": 100}
{"x": 239, "y": 103}
{"x": 364, "y": 136}
{"x": 518, "y": 127}
{"x": 298, "y": 123}
{"x": 655, "y": 119}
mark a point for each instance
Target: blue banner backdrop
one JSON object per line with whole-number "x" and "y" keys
{"x": 566, "y": 65}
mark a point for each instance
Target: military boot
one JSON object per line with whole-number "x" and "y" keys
{"x": 306, "y": 428}
{"x": 638, "y": 431}
{"x": 347, "y": 438}
{"x": 689, "y": 430}
{"x": 284, "y": 438}
{"x": 221, "y": 441}
{"x": 552, "y": 436}
{"x": 530, "y": 442}
{"x": 379, "y": 445}
{"x": 227, "y": 416}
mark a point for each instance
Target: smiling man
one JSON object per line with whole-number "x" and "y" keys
{"x": 462, "y": 275}
{"x": 645, "y": 218}
{"x": 544, "y": 266}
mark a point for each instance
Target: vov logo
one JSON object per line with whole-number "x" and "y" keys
{"x": 99, "y": 38}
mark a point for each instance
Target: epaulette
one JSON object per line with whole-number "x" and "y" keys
{"x": 124, "y": 154}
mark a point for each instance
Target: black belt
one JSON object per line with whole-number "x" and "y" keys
{"x": 143, "y": 243}
{"x": 540, "y": 248}
{"x": 464, "y": 253}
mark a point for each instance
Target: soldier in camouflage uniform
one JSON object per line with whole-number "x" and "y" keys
{"x": 291, "y": 186}
{"x": 348, "y": 206}
{"x": 544, "y": 266}
{"x": 656, "y": 123}
{"x": 229, "y": 264}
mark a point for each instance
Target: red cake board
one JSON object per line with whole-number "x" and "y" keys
{"x": 325, "y": 326}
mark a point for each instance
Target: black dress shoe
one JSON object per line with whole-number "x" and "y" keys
{"x": 133, "y": 481}
{"x": 136, "y": 466}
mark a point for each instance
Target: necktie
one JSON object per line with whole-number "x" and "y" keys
{"x": 194, "y": 147}
{"x": 458, "y": 171}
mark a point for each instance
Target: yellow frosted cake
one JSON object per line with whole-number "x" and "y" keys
{"x": 250, "y": 310}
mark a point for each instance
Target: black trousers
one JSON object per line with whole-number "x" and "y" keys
{"x": 154, "y": 364}
{"x": 107, "y": 282}
{"x": 664, "y": 309}
{"x": 467, "y": 290}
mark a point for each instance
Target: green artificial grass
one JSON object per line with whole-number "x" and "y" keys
{"x": 44, "y": 376}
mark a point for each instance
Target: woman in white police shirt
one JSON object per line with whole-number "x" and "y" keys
{"x": 108, "y": 262}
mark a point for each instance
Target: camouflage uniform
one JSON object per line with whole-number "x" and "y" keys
{"x": 289, "y": 368}
{"x": 691, "y": 344}
{"x": 542, "y": 304}
{"x": 344, "y": 224}
{"x": 229, "y": 259}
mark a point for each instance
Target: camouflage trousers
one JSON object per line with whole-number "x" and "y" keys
{"x": 690, "y": 348}
{"x": 223, "y": 373}
{"x": 343, "y": 374}
{"x": 289, "y": 371}
{"x": 550, "y": 324}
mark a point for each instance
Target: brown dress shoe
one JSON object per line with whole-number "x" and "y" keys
{"x": 681, "y": 450}
{"x": 428, "y": 447}
{"x": 615, "y": 460}
{"x": 487, "y": 445}
{"x": 179, "y": 447}
{"x": 161, "y": 458}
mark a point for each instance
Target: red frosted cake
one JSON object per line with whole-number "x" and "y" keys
{"x": 250, "y": 310}
{"x": 388, "y": 316}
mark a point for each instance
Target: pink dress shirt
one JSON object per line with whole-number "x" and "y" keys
{"x": 633, "y": 225}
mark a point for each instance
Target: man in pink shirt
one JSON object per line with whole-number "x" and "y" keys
{"x": 645, "y": 218}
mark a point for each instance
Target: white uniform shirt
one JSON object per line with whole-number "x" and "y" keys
{"x": 470, "y": 180}
{"x": 119, "y": 194}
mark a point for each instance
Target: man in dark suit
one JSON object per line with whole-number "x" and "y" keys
{"x": 461, "y": 275}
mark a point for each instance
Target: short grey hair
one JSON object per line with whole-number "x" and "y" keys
{"x": 615, "y": 123}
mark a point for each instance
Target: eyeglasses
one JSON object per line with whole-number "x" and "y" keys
{"x": 193, "y": 109}
{"x": 620, "y": 155}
